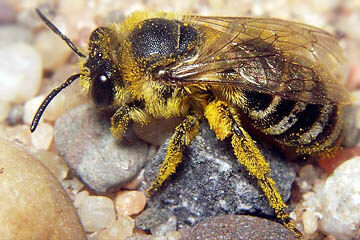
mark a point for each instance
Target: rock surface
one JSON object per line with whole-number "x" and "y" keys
{"x": 230, "y": 227}
{"x": 83, "y": 139}
{"x": 33, "y": 203}
{"x": 210, "y": 182}
{"x": 158, "y": 221}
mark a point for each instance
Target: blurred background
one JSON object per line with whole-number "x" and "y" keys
{"x": 34, "y": 60}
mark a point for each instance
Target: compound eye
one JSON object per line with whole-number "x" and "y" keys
{"x": 102, "y": 92}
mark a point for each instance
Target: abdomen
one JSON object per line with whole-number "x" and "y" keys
{"x": 308, "y": 127}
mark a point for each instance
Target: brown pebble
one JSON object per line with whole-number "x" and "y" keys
{"x": 130, "y": 202}
{"x": 239, "y": 227}
{"x": 33, "y": 203}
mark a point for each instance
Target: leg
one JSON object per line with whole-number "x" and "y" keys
{"x": 121, "y": 119}
{"x": 184, "y": 133}
{"x": 225, "y": 122}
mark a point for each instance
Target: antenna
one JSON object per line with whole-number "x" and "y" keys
{"x": 48, "y": 99}
{"x": 57, "y": 32}
{"x": 68, "y": 81}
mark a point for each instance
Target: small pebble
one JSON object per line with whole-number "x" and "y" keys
{"x": 53, "y": 162}
{"x": 129, "y": 202}
{"x": 10, "y": 34}
{"x": 340, "y": 201}
{"x": 80, "y": 197}
{"x": 121, "y": 229}
{"x": 67, "y": 99}
{"x": 30, "y": 108}
{"x": 96, "y": 213}
{"x": 83, "y": 139}
{"x": 307, "y": 176}
{"x": 239, "y": 227}
{"x": 43, "y": 136}
{"x": 53, "y": 50}
{"x": 352, "y": 125}
{"x": 310, "y": 221}
{"x": 20, "y": 72}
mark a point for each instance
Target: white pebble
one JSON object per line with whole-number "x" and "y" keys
{"x": 307, "y": 176}
{"x": 30, "y": 108}
{"x": 121, "y": 229}
{"x": 20, "y": 72}
{"x": 65, "y": 100}
{"x": 80, "y": 197}
{"x": 52, "y": 48}
{"x": 42, "y": 137}
{"x": 54, "y": 163}
{"x": 10, "y": 34}
{"x": 340, "y": 198}
{"x": 310, "y": 221}
{"x": 96, "y": 213}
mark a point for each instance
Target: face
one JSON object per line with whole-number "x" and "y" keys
{"x": 100, "y": 68}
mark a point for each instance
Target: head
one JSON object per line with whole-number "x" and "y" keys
{"x": 98, "y": 74}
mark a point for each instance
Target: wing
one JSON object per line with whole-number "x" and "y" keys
{"x": 283, "y": 58}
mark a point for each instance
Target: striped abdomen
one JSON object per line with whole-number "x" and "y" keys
{"x": 309, "y": 127}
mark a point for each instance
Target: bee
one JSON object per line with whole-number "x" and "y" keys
{"x": 281, "y": 76}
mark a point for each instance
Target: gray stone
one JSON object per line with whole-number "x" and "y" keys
{"x": 157, "y": 131}
{"x": 231, "y": 227}
{"x": 15, "y": 115}
{"x": 166, "y": 227}
{"x": 351, "y": 126}
{"x": 211, "y": 182}
{"x": 83, "y": 139}
{"x": 158, "y": 221}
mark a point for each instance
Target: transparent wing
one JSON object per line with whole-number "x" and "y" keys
{"x": 289, "y": 59}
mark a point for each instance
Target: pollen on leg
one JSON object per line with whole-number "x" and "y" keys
{"x": 219, "y": 121}
{"x": 184, "y": 133}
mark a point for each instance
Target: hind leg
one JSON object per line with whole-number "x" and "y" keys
{"x": 181, "y": 138}
{"x": 225, "y": 122}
